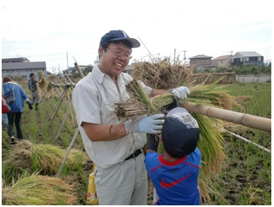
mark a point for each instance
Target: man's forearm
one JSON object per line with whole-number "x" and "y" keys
{"x": 98, "y": 132}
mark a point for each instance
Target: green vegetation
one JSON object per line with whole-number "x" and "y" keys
{"x": 252, "y": 69}
{"x": 246, "y": 178}
{"x": 242, "y": 70}
{"x": 260, "y": 97}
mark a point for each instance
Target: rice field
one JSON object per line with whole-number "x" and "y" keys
{"x": 245, "y": 178}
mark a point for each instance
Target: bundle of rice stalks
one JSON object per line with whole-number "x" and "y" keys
{"x": 39, "y": 190}
{"x": 52, "y": 77}
{"x": 42, "y": 158}
{"x": 49, "y": 87}
{"x": 211, "y": 139}
{"x": 209, "y": 95}
{"x": 162, "y": 73}
{"x": 41, "y": 76}
{"x": 139, "y": 104}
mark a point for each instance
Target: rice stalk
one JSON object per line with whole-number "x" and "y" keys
{"x": 5, "y": 141}
{"x": 45, "y": 159}
{"x": 49, "y": 86}
{"x": 136, "y": 90}
{"x": 211, "y": 144}
{"x": 139, "y": 104}
{"x": 162, "y": 73}
{"x": 52, "y": 77}
{"x": 213, "y": 95}
{"x": 41, "y": 76}
{"x": 38, "y": 190}
{"x": 165, "y": 74}
{"x": 211, "y": 140}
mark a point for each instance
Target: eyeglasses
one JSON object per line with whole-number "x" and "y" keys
{"x": 119, "y": 53}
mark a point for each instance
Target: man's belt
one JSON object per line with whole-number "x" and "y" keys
{"x": 134, "y": 154}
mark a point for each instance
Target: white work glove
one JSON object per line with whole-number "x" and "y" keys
{"x": 149, "y": 124}
{"x": 181, "y": 92}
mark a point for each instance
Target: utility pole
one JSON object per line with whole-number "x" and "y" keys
{"x": 184, "y": 56}
{"x": 67, "y": 61}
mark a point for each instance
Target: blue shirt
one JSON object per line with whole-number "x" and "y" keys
{"x": 176, "y": 182}
{"x": 20, "y": 96}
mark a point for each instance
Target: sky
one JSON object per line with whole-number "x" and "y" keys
{"x": 60, "y": 32}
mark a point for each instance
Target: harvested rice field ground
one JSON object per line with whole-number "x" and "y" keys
{"x": 245, "y": 178}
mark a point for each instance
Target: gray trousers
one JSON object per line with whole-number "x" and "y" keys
{"x": 35, "y": 97}
{"x": 123, "y": 184}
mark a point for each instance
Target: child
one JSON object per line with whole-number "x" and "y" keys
{"x": 174, "y": 174}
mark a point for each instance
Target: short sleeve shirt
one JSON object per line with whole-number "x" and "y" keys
{"x": 176, "y": 182}
{"x": 93, "y": 98}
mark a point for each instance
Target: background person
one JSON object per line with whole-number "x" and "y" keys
{"x": 120, "y": 175}
{"x": 32, "y": 84}
{"x": 14, "y": 116}
{"x": 174, "y": 174}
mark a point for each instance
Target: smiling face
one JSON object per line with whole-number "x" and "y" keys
{"x": 114, "y": 59}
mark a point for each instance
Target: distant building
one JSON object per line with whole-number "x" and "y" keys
{"x": 200, "y": 62}
{"x": 247, "y": 58}
{"x": 21, "y": 67}
{"x": 222, "y": 61}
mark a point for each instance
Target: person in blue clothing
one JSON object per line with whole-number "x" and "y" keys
{"x": 174, "y": 174}
{"x": 14, "y": 116}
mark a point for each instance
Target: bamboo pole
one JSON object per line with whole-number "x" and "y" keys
{"x": 246, "y": 140}
{"x": 64, "y": 120}
{"x": 67, "y": 153}
{"x": 76, "y": 132}
{"x": 248, "y": 120}
{"x": 78, "y": 69}
{"x": 67, "y": 77}
{"x": 57, "y": 105}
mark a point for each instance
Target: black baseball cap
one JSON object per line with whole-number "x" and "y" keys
{"x": 180, "y": 133}
{"x": 116, "y": 35}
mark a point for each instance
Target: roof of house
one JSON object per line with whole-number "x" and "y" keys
{"x": 200, "y": 57}
{"x": 248, "y": 54}
{"x": 23, "y": 65}
{"x": 20, "y": 59}
{"x": 223, "y": 57}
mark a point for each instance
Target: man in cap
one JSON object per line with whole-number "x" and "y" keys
{"x": 174, "y": 174}
{"x": 115, "y": 147}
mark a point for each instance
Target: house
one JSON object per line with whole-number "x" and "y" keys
{"x": 247, "y": 58}
{"x": 15, "y": 60}
{"x": 21, "y": 67}
{"x": 222, "y": 61}
{"x": 200, "y": 62}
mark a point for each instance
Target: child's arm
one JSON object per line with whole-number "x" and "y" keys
{"x": 152, "y": 143}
